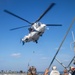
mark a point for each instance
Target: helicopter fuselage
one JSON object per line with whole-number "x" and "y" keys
{"x": 32, "y": 36}
{"x": 38, "y": 27}
{"x": 37, "y": 31}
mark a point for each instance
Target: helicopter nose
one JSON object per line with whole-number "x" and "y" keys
{"x": 44, "y": 25}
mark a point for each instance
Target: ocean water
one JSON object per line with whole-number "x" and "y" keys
{"x": 41, "y": 73}
{"x": 38, "y": 73}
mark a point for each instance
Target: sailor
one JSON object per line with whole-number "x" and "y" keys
{"x": 72, "y": 71}
{"x": 65, "y": 72}
{"x": 34, "y": 70}
{"x": 29, "y": 71}
{"x": 46, "y": 71}
{"x": 54, "y": 71}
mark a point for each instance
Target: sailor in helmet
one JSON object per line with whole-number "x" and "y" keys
{"x": 54, "y": 71}
{"x": 72, "y": 70}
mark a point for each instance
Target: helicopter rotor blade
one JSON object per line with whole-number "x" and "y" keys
{"x": 16, "y": 16}
{"x": 19, "y": 27}
{"x": 45, "y": 12}
{"x": 53, "y": 24}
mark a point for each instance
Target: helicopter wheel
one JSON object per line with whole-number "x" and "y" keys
{"x": 36, "y": 41}
{"x": 23, "y": 42}
{"x": 26, "y": 40}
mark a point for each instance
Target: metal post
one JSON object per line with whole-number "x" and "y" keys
{"x": 60, "y": 63}
{"x": 71, "y": 61}
{"x": 62, "y": 42}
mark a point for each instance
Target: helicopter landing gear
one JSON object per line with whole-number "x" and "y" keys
{"x": 26, "y": 39}
{"x": 36, "y": 41}
{"x": 40, "y": 33}
{"x": 23, "y": 42}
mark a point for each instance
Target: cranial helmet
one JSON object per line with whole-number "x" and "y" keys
{"x": 54, "y": 67}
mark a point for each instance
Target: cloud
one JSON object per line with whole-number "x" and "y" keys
{"x": 44, "y": 58}
{"x": 16, "y": 55}
{"x": 65, "y": 56}
{"x": 66, "y": 60}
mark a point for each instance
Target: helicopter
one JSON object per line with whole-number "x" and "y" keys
{"x": 36, "y": 29}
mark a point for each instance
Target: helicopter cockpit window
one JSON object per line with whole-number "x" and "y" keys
{"x": 39, "y": 23}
